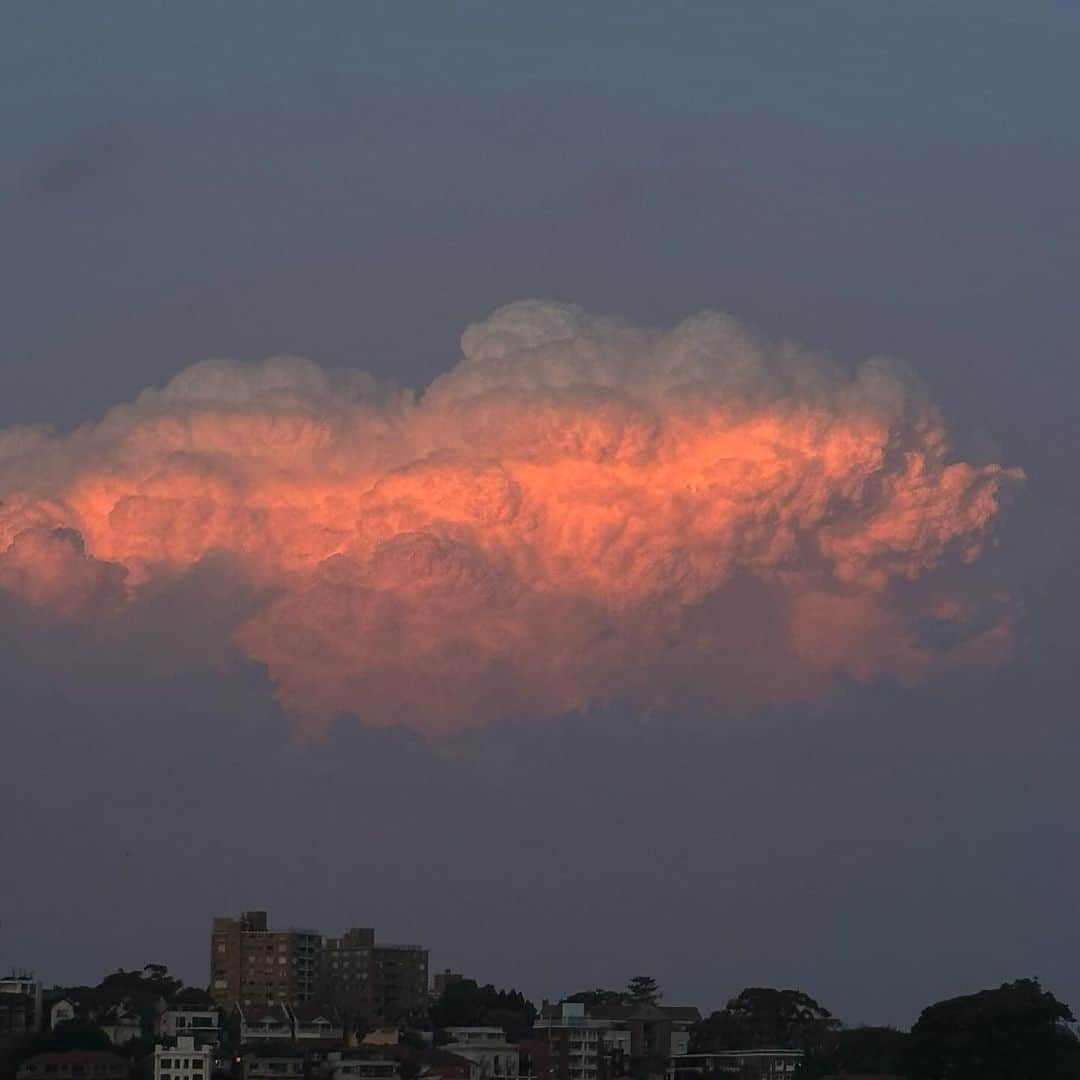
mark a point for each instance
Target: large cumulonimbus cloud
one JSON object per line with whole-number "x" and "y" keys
{"x": 580, "y": 512}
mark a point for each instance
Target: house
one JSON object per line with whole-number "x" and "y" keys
{"x": 317, "y": 1024}
{"x": 361, "y": 1065}
{"x": 262, "y": 1023}
{"x": 62, "y": 1012}
{"x": 488, "y": 1049}
{"x": 74, "y": 1065}
{"x": 185, "y": 1061}
{"x": 121, "y": 1023}
{"x": 279, "y": 1063}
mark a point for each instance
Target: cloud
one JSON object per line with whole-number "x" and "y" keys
{"x": 580, "y": 512}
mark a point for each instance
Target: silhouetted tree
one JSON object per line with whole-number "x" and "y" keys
{"x": 861, "y": 1050}
{"x": 467, "y": 1004}
{"x": 763, "y": 1017}
{"x": 643, "y": 990}
{"x": 1016, "y": 1032}
{"x": 592, "y": 998}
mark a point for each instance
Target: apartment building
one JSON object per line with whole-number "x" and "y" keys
{"x": 363, "y": 979}
{"x": 399, "y": 980}
{"x": 184, "y": 1061}
{"x": 250, "y": 963}
{"x": 20, "y": 1004}
{"x": 598, "y": 1043}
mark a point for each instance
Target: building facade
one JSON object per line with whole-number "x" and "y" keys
{"x": 363, "y": 979}
{"x": 601, "y": 1042}
{"x": 187, "y": 1060}
{"x": 251, "y": 963}
{"x": 488, "y": 1049}
{"x": 20, "y": 1005}
{"x": 74, "y": 1065}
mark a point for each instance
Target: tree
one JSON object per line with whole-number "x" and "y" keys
{"x": 761, "y": 1017}
{"x": 592, "y": 999}
{"x": 865, "y": 1050}
{"x": 643, "y": 990}
{"x": 1016, "y": 1032}
{"x": 467, "y": 1004}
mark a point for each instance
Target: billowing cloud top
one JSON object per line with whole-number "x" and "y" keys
{"x": 580, "y": 512}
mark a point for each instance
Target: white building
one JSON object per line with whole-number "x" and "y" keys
{"x": 61, "y": 1012}
{"x": 488, "y": 1049}
{"x": 184, "y": 1061}
{"x": 201, "y": 1021}
{"x": 121, "y": 1024}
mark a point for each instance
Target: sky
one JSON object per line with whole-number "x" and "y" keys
{"x": 358, "y": 185}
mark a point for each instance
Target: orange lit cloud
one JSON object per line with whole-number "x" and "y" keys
{"x": 579, "y": 512}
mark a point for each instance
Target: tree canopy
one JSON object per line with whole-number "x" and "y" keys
{"x": 467, "y": 1004}
{"x": 869, "y": 1051}
{"x": 762, "y": 1017}
{"x": 643, "y": 990}
{"x": 1016, "y": 1032}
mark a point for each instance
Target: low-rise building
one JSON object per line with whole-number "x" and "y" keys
{"x": 74, "y": 1065}
{"x": 759, "y": 1064}
{"x": 261, "y": 1024}
{"x": 121, "y": 1023}
{"x": 187, "y": 1060}
{"x": 317, "y": 1025}
{"x": 62, "y": 1012}
{"x": 272, "y": 1064}
{"x": 201, "y": 1021}
{"x": 354, "y": 1065}
{"x": 488, "y": 1049}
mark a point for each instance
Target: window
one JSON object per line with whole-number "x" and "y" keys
{"x": 166, "y": 1063}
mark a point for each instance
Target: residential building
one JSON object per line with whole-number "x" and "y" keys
{"x": 187, "y": 1060}
{"x": 20, "y": 1004}
{"x": 74, "y": 1065}
{"x": 250, "y": 963}
{"x": 190, "y": 1016}
{"x": 363, "y": 979}
{"x": 760, "y": 1064}
{"x": 574, "y": 1041}
{"x": 488, "y": 1049}
{"x": 262, "y": 1024}
{"x": 596, "y": 1043}
{"x": 356, "y": 1065}
{"x": 317, "y": 1026}
{"x": 348, "y": 977}
{"x": 61, "y": 1012}
{"x": 283, "y": 1064}
{"x": 121, "y": 1023}
{"x": 399, "y": 980}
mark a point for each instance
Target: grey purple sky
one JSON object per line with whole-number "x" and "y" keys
{"x": 357, "y": 183}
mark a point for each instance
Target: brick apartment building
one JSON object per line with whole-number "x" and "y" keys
{"x": 250, "y": 964}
